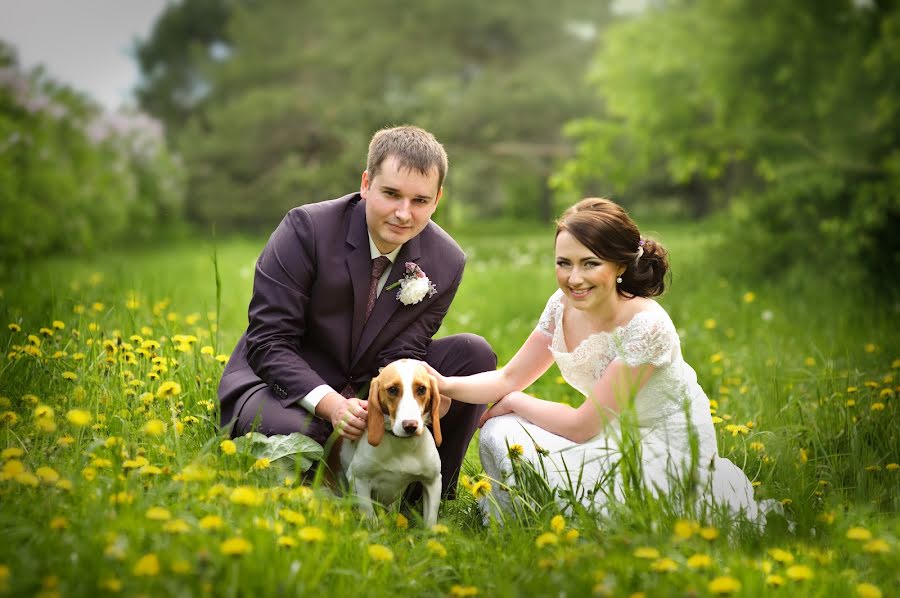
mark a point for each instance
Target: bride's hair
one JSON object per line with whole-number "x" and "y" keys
{"x": 606, "y": 229}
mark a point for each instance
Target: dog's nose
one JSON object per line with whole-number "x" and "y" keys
{"x": 410, "y": 426}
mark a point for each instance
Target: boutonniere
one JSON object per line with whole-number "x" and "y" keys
{"x": 414, "y": 286}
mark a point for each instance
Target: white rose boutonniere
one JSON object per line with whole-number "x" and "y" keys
{"x": 414, "y": 286}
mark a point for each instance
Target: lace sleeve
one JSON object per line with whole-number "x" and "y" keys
{"x": 547, "y": 324}
{"x": 650, "y": 338}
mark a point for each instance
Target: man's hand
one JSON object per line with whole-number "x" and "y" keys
{"x": 348, "y": 416}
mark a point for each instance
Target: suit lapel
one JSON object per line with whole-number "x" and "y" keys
{"x": 359, "y": 267}
{"x": 387, "y": 302}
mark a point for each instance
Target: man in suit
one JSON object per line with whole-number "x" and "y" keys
{"x": 321, "y": 322}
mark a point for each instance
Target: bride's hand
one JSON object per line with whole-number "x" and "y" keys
{"x": 502, "y": 407}
{"x": 441, "y": 380}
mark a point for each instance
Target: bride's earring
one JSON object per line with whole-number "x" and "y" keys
{"x": 619, "y": 280}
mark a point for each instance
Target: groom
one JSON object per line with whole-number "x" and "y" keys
{"x": 322, "y": 321}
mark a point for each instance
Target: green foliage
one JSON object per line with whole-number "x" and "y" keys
{"x": 288, "y": 110}
{"x": 70, "y": 182}
{"x": 785, "y": 112}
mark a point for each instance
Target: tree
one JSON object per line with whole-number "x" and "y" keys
{"x": 786, "y": 111}
{"x": 288, "y": 114}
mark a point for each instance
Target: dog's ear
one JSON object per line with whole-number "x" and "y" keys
{"x": 375, "y": 418}
{"x": 435, "y": 411}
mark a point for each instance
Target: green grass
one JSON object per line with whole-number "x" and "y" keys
{"x": 812, "y": 365}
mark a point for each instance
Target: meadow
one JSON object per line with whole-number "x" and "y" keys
{"x": 115, "y": 478}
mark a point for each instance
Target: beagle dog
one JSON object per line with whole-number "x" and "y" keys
{"x": 399, "y": 448}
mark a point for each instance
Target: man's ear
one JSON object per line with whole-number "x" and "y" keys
{"x": 364, "y": 185}
{"x": 375, "y": 425}
{"x": 440, "y": 194}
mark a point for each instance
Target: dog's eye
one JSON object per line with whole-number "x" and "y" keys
{"x": 393, "y": 391}
{"x": 421, "y": 390}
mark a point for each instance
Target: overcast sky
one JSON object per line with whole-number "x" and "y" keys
{"x": 85, "y": 43}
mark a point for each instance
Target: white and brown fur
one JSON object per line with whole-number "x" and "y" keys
{"x": 403, "y": 399}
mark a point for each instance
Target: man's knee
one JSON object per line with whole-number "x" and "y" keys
{"x": 480, "y": 357}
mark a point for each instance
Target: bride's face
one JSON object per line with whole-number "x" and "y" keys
{"x": 586, "y": 280}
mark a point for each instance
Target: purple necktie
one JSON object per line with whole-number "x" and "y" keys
{"x": 379, "y": 265}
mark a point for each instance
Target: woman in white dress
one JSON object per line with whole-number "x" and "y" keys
{"x": 618, "y": 347}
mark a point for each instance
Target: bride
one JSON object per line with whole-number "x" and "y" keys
{"x": 618, "y": 347}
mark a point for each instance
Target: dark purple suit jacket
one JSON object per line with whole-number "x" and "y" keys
{"x": 309, "y": 299}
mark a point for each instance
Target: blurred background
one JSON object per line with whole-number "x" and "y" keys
{"x": 774, "y": 123}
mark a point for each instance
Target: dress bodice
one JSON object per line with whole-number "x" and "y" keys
{"x": 648, "y": 338}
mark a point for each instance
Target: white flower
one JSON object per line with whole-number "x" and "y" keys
{"x": 412, "y": 290}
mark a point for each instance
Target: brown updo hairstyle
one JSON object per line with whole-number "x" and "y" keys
{"x": 606, "y": 229}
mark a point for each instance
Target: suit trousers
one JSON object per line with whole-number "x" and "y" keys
{"x": 455, "y": 355}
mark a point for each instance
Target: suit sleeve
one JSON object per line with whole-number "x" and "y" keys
{"x": 413, "y": 342}
{"x": 285, "y": 273}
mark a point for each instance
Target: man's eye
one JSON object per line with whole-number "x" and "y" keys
{"x": 421, "y": 390}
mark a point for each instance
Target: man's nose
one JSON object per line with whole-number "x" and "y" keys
{"x": 402, "y": 211}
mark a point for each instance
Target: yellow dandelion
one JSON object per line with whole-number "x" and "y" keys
{"x": 211, "y": 522}
{"x": 14, "y": 327}
{"x": 709, "y": 533}
{"x": 292, "y": 516}
{"x": 261, "y": 463}
{"x": 892, "y": 466}
{"x": 481, "y": 488}
{"x": 154, "y": 427}
{"x": 221, "y": 358}
{"x": 59, "y": 523}
{"x": 440, "y": 528}
{"x": 79, "y": 417}
{"x": 401, "y": 522}
{"x": 44, "y": 412}
{"x": 111, "y": 584}
{"x": 546, "y": 539}
{"x": 71, "y": 376}
{"x": 158, "y": 514}
{"x": 776, "y": 581}
{"x": 177, "y": 526}
{"x": 311, "y": 534}
{"x": 147, "y": 566}
{"x": 463, "y": 591}
{"x": 379, "y": 552}
{"x": 646, "y": 552}
{"x": 877, "y": 407}
{"x": 809, "y": 361}
{"x": 168, "y": 390}
{"x": 516, "y": 451}
{"x": 799, "y": 573}
{"x": 724, "y": 585}
{"x": 665, "y": 565}
{"x": 286, "y": 541}
{"x": 235, "y": 547}
{"x": 709, "y": 324}
{"x": 48, "y": 475}
{"x": 749, "y": 297}
{"x": 572, "y": 535}
{"x": 877, "y": 546}
{"x": 247, "y": 496}
{"x": 859, "y": 533}
{"x": 699, "y": 561}
{"x": 558, "y": 524}
{"x": 868, "y": 590}
{"x": 12, "y": 452}
{"x": 871, "y": 347}
{"x": 436, "y": 548}
{"x": 804, "y": 456}
{"x": 781, "y": 556}
{"x": 26, "y": 478}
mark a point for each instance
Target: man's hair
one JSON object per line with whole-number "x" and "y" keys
{"x": 415, "y": 149}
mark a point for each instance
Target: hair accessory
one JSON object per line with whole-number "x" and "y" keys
{"x": 641, "y": 243}
{"x": 640, "y": 252}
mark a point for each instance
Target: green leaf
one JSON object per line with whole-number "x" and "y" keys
{"x": 281, "y": 446}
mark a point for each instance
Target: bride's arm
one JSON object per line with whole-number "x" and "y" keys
{"x": 526, "y": 366}
{"x": 618, "y": 385}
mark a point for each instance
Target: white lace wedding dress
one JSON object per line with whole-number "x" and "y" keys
{"x": 669, "y": 408}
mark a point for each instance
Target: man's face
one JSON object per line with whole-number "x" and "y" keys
{"x": 399, "y": 203}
